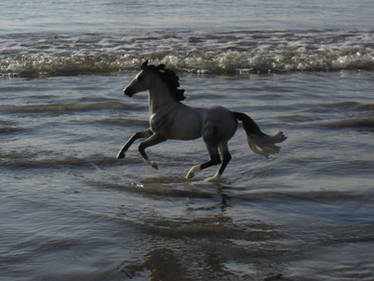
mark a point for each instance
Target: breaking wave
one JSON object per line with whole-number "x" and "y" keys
{"x": 367, "y": 123}
{"x": 35, "y": 55}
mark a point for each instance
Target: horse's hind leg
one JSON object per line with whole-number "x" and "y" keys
{"x": 138, "y": 135}
{"x": 214, "y": 160}
{"x": 226, "y": 157}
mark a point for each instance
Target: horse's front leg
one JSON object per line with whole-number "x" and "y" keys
{"x": 152, "y": 140}
{"x": 134, "y": 137}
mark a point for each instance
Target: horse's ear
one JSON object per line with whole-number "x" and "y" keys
{"x": 144, "y": 65}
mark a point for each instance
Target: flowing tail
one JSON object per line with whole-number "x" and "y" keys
{"x": 258, "y": 141}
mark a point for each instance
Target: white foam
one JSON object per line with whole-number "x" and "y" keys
{"x": 220, "y": 53}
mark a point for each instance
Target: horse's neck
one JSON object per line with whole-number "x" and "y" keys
{"x": 160, "y": 98}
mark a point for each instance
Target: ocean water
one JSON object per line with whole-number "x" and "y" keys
{"x": 71, "y": 211}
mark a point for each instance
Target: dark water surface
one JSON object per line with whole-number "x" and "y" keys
{"x": 70, "y": 210}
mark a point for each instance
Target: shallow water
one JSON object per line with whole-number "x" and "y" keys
{"x": 71, "y": 211}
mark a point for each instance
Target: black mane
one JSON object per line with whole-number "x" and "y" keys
{"x": 170, "y": 79}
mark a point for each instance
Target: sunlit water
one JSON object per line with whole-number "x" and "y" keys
{"x": 71, "y": 211}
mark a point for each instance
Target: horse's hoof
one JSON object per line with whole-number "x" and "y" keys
{"x": 120, "y": 155}
{"x": 190, "y": 175}
{"x": 215, "y": 179}
{"x": 154, "y": 165}
{"x": 192, "y": 171}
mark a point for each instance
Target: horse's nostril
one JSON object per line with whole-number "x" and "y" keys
{"x": 127, "y": 92}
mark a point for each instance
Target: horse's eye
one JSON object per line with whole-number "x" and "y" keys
{"x": 140, "y": 78}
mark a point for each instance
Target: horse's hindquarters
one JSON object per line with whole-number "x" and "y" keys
{"x": 221, "y": 121}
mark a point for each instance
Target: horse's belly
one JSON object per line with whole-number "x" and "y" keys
{"x": 186, "y": 134}
{"x": 186, "y": 126}
{"x": 185, "y": 131}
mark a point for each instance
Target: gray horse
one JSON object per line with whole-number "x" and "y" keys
{"x": 171, "y": 119}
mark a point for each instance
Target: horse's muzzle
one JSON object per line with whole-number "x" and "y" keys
{"x": 128, "y": 92}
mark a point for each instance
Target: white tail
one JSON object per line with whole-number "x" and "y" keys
{"x": 265, "y": 144}
{"x": 258, "y": 141}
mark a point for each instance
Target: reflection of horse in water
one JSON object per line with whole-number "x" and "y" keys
{"x": 171, "y": 119}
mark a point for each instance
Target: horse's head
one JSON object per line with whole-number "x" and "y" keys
{"x": 151, "y": 74}
{"x": 141, "y": 82}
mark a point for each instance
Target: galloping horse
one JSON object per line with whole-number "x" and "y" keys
{"x": 171, "y": 119}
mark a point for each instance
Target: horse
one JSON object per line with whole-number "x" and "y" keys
{"x": 172, "y": 119}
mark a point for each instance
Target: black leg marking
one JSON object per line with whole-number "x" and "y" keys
{"x": 211, "y": 144}
{"x": 213, "y": 153}
{"x": 226, "y": 156}
{"x": 210, "y": 139}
